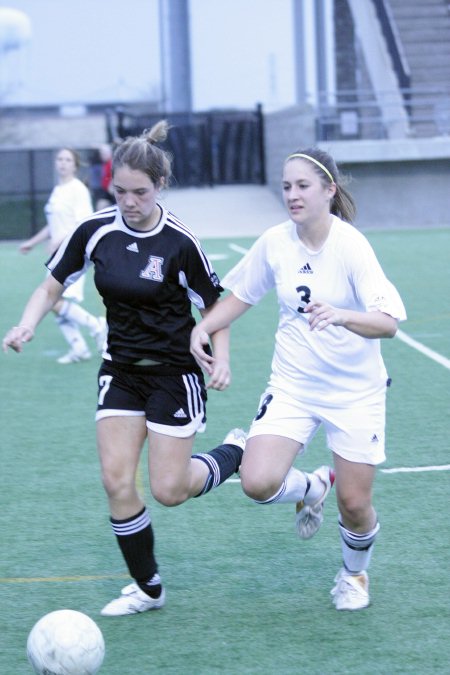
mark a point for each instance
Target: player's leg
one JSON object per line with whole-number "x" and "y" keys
{"x": 354, "y": 484}
{"x": 358, "y": 528}
{"x": 266, "y": 463}
{"x": 121, "y": 433}
{"x": 96, "y": 325}
{"x": 69, "y": 308}
{"x": 357, "y": 440}
{"x": 176, "y": 475}
{"x": 78, "y": 348}
{"x": 120, "y": 440}
{"x": 268, "y": 477}
{"x": 278, "y": 434}
{"x": 222, "y": 462}
{"x": 175, "y": 413}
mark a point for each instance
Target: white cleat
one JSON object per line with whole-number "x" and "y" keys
{"x": 74, "y": 357}
{"x": 236, "y": 437}
{"x": 309, "y": 517}
{"x": 351, "y": 591}
{"x": 100, "y": 334}
{"x": 133, "y": 601}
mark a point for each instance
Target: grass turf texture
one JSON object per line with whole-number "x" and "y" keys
{"x": 244, "y": 594}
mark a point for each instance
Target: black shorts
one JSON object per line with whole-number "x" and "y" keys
{"x": 174, "y": 405}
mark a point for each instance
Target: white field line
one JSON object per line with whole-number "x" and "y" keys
{"x": 423, "y": 350}
{"x": 218, "y": 256}
{"x": 417, "y": 469}
{"x": 400, "y": 469}
{"x": 238, "y": 249}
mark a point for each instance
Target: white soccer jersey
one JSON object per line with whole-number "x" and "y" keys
{"x": 332, "y": 367}
{"x": 68, "y": 204}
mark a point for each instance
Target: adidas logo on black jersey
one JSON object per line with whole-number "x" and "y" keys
{"x": 133, "y": 247}
{"x": 180, "y": 413}
{"x": 306, "y": 269}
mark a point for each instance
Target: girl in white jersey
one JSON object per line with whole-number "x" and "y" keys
{"x": 68, "y": 204}
{"x": 149, "y": 268}
{"x": 334, "y": 304}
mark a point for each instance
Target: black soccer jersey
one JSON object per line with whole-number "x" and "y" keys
{"x": 147, "y": 281}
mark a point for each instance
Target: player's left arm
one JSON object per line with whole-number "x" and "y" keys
{"x": 218, "y": 362}
{"x": 374, "y": 324}
{"x": 381, "y": 305}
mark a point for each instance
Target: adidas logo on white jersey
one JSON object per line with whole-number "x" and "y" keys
{"x": 133, "y": 247}
{"x": 180, "y": 413}
{"x": 306, "y": 269}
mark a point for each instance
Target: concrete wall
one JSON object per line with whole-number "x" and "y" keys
{"x": 395, "y": 183}
{"x": 52, "y": 131}
{"x": 285, "y": 131}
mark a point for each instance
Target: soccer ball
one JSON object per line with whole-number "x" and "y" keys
{"x": 65, "y": 642}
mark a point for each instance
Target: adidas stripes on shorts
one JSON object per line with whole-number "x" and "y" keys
{"x": 172, "y": 404}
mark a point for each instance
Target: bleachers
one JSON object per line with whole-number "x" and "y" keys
{"x": 424, "y": 30}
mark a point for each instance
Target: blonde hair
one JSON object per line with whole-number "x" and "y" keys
{"x": 141, "y": 153}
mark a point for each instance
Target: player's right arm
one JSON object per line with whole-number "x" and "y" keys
{"x": 38, "y": 306}
{"x": 38, "y": 238}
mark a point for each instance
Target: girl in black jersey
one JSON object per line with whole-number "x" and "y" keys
{"x": 148, "y": 268}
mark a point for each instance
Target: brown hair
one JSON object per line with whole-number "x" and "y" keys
{"x": 324, "y": 165}
{"x": 140, "y": 153}
{"x": 75, "y": 155}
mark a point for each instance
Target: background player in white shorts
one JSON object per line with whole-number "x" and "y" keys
{"x": 334, "y": 304}
{"x": 149, "y": 269}
{"x": 69, "y": 203}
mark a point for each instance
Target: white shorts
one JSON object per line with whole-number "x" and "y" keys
{"x": 356, "y": 433}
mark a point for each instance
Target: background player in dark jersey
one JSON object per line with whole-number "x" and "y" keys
{"x": 149, "y": 268}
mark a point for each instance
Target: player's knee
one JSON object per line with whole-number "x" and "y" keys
{"x": 355, "y": 508}
{"x": 117, "y": 487}
{"x": 257, "y": 489}
{"x": 169, "y": 494}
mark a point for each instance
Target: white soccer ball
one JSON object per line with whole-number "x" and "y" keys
{"x": 65, "y": 642}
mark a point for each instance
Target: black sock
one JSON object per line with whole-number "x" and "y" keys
{"x": 222, "y": 463}
{"x": 136, "y": 541}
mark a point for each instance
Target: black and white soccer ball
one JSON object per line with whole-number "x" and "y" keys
{"x": 65, "y": 642}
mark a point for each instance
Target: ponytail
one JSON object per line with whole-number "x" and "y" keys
{"x": 142, "y": 153}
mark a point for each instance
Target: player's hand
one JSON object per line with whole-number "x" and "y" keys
{"x": 16, "y": 337}
{"x": 322, "y": 315}
{"x": 201, "y": 351}
{"x": 221, "y": 375}
{"x": 25, "y": 247}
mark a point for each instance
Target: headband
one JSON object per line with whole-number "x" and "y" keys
{"x": 311, "y": 159}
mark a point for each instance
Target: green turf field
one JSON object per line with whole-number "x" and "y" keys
{"x": 244, "y": 594}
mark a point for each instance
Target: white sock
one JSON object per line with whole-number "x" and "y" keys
{"x": 77, "y": 314}
{"x": 72, "y": 335}
{"x": 357, "y": 548}
{"x": 294, "y": 489}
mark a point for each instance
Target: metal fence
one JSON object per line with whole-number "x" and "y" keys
{"x": 364, "y": 114}
{"x": 207, "y": 149}
{"x": 26, "y": 180}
